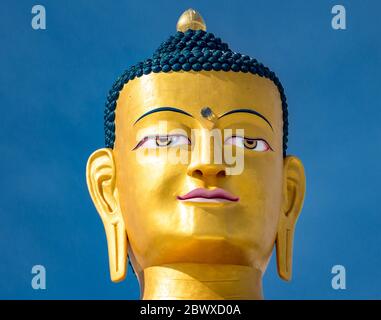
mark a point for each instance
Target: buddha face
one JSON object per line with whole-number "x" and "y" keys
{"x": 195, "y": 210}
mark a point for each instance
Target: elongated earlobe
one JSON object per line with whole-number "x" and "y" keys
{"x": 294, "y": 186}
{"x": 100, "y": 176}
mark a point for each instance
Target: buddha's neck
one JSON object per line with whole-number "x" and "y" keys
{"x": 201, "y": 281}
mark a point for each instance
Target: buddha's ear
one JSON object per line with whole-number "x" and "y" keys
{"x": 100, "y": 176}
{"x": 294, "y": 187}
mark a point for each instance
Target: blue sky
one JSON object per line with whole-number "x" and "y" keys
{"x": 53, "y": 85}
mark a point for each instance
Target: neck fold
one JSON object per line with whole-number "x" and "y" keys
{"x": 190, "y": 281}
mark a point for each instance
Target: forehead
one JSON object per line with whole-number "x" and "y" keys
{"x": 192, "y": 91}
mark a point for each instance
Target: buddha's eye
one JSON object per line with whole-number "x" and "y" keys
{"x": 160, "y": 141}
{"x": 258, "y": 145}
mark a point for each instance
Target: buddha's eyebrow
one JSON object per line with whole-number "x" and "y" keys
{"x": 163, "y": 109}
{"x": 247, "y": 111}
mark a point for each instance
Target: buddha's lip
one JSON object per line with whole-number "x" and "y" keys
{"x": 209, "y": 194}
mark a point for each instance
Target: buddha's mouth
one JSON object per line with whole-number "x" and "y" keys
{"x": 217, "y": 195}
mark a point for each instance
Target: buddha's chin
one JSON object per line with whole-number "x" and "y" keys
{"x": 205, "y": 249}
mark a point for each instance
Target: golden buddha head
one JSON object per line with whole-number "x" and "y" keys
{"x": 201, "y": 208}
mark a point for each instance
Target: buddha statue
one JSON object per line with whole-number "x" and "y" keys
{"x": 197, "y": 229}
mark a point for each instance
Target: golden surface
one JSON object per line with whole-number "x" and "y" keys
{"x": 190, "y": 19}
{"x": 188, "y": 281}
{"x": 198, "y": 242}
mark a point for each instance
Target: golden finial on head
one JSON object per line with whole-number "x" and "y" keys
{"x": 190, "y": 19}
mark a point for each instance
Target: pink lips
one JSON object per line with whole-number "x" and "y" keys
{"x": 209, "y": 194}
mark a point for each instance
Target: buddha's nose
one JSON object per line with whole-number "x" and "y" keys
{"x": 205, "y": 170}
{"x": 207, "y": 156}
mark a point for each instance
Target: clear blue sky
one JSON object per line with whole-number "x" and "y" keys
{"x": 53, "y": 85}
